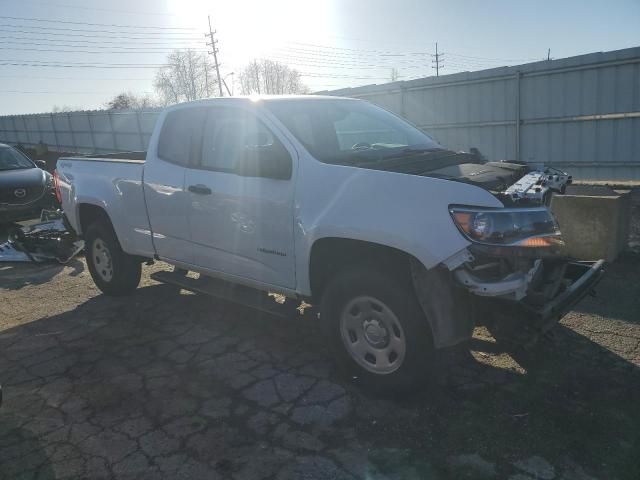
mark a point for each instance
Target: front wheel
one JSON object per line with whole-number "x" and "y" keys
{"x": 377, "y": 330}
{"x": 113, "y": 271}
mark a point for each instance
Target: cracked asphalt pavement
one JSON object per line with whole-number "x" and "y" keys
{"x": 167, "y": 384}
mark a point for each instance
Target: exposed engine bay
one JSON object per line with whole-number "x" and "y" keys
{"x": 512, "y": 183}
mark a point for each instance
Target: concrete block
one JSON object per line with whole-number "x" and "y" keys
{"x": 594, "y": 222}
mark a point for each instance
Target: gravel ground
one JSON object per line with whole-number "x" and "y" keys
{"x": 167, "y": 384}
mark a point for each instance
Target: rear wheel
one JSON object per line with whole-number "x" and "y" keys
{"x": 113, "y": 271}
{"x": 377, "y": 330}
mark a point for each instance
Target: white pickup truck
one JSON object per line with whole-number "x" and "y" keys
{"x": 401, "y": 244}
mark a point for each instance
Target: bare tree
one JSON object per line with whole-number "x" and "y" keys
{"x": 64, "y": 108}
{"x": 186, "y": 76}
{"x": 270, "y": 77}
{"x": 130, "y": 101}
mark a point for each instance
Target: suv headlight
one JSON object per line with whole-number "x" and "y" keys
{"x": 520, "y": 227}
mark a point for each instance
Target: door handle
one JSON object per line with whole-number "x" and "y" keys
{"x": 200, "y": 189}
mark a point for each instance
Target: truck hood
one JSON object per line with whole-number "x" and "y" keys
{"x": 492, "y": 176}
{"x": 456, "y": 166}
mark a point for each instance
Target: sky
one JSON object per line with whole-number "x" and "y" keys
{"x": 81, "y": 53}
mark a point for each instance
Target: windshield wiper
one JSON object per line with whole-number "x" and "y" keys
{"x": 411, "y": 152}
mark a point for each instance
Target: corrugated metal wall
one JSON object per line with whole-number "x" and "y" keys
{"x": 84, "y": 132}
{"x": 580, "y": 113}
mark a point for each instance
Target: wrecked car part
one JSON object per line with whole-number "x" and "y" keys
{"x": 537, "y": 186}
{"x": 43, "y": 242}
{"x": 9, "y": 253}
{"x": 513, "y": 286}
{"x": 523, "y": 323}
{"x": 458, "y": 259}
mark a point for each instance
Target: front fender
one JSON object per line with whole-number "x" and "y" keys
{"x": 407, "y": 212}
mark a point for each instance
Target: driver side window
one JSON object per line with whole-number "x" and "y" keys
{"x": 230, "y": 136}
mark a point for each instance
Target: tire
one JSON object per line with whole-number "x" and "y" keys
{"x": 377, "y": 330}
{"x": 114, "y": 272}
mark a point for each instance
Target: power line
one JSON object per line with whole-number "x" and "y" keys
{"x": 92, "y": 30}
{"x": 492, "y": 58}
{"x": 355, "y": 61}
{"x": 100, "y": 51}
{"x": 359, "y": 52}
{"x": 34, "y": 63}
{"x": 84, "y": 43}
{"x": 68, "y": 22}
{"x": 54, "y": 92}
{"x": 79, "y": 7}
{"x": 95, "y": 36}
{"x": 352, "y": 77}
{"x": 105, "y": 79}
{"x": 306, "y": 61}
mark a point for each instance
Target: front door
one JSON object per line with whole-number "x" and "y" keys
{"x": 241, "y": 221}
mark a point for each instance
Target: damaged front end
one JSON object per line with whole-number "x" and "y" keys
{"x": 513, "y": 270}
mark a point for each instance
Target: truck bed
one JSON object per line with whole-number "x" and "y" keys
{"x": 111, "y": 180}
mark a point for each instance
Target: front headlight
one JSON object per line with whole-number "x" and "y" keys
{"x": 522, "y": 227}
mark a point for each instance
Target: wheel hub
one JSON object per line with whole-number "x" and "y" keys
{"x": 375, "y": 333}
{"x": 102, "y": 260}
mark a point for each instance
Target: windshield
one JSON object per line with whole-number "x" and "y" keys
{"x": 348, "y": 131}
{"x": 11, "y": 159}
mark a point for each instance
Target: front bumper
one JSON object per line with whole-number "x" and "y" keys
{"x": 524, "y": 321}
{"x": 581, "y": 278}
{"x": 17, "y": 213}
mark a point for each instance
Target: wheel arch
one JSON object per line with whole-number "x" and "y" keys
{"x": 89, "y": 213}
{"x": 329, "y": 255}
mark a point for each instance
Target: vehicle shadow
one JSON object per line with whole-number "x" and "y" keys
{"x": 73, "y": 380}
{"x": 14, "y": 276}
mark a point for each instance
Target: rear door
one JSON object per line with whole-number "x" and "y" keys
{"x": 164, "y": 182}
{"x": 241, "y": 222}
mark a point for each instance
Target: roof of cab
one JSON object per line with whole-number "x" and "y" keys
{"x": 259, "y": 98}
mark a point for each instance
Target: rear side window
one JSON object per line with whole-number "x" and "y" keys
{"x": 180, "y": 131}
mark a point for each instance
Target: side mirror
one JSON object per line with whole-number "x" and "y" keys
{"x": 269, "y": 161}
{"x": 41, "y": 164}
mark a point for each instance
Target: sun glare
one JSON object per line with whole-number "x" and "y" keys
{"x": 248, "y": 29}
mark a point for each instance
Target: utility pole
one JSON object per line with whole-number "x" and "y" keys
{"x": 437, "y": 60}
{"x": 549, "y": 54}
{"x": 214, "y": 51}
{"x": 206, "y": 76}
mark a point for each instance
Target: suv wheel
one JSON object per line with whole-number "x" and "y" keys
{"x": 113, "y": 271}
{"x": 377, "y": 330}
